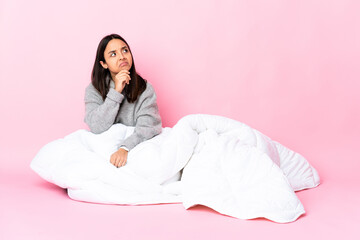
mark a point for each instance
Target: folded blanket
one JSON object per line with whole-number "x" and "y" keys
{"x": 204, "y": 159}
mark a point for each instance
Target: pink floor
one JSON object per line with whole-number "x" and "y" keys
{"x": 31, "y": 208}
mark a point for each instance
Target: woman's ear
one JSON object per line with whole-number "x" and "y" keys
{"x": 104, "y": 65}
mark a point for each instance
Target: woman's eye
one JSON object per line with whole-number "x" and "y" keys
{"x": 113, "y": 54}
{"x": 125, "y": 50}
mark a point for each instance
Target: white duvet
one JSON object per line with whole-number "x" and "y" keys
{"x": 204, "y": 159}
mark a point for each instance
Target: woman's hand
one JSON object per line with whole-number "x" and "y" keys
{"x": 122, "y": 78}
{"x": 119, "y": 158}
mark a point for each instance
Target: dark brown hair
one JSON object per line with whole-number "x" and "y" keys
{"x": 132, "y": 90}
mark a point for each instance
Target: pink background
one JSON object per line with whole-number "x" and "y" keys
{"x": 287, "y": 68}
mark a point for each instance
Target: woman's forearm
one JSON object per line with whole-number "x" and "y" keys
{"x": 100, "y": 115}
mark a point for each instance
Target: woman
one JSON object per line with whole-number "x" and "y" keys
{"x": 118, "y": 94}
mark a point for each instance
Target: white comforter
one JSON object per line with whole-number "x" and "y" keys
{"x": 204, "y": 159}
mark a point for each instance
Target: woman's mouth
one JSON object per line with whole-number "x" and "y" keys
{"x": 123, "y": 64}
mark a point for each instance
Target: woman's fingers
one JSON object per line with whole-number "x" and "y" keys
{"x": 118, "y": 162}
{"x": 123, "y": 73}
{"x": 113, "y": 159}
{"x": 123, "y": 78}
{"x": 118, "y": 159}
{"x": 123, "y": 162}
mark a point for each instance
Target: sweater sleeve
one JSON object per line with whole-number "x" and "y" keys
{"x": 147, "y": 119}
{"x": 100, "y": 115}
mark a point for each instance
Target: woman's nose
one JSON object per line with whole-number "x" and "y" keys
{"x": 121, "y": 56}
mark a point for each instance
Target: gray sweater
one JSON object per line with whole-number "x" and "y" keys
{"x": 143, "y": 114}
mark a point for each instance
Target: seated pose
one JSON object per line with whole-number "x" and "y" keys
{"x": 118, "y": 94}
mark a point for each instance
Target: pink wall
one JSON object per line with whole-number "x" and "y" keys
{"x": 288, "y": 68}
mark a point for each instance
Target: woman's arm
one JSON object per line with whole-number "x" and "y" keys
{"x": 100, "y": 115}
{"x": 147, "y": 119}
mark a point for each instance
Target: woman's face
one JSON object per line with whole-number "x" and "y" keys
{"x": 117, "y": 57}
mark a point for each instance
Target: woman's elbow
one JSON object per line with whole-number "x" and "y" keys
{"x": 150, "y": 132}
{"x": 95, "y": 127}
{"x": 96, "y": 130}
{"x": 157, "y": 129}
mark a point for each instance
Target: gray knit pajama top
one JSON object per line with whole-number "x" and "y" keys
{"x": 143, "y": 114}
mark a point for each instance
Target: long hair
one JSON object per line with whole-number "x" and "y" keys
{"x": 137, "y": 84}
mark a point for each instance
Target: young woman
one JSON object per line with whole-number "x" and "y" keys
{"x": 118, "y": 94}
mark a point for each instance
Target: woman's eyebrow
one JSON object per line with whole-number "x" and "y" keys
{"x": 115, "y": 50}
